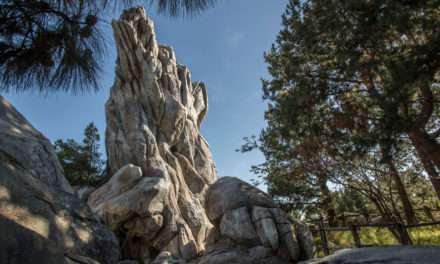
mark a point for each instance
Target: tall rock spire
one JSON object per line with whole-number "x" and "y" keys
{"x": 164, "y": 195}
{"x": 153, "y": 99}
{"x": 154, "y": 147}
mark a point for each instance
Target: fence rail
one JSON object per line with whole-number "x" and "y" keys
{"x": 401, "y": 231}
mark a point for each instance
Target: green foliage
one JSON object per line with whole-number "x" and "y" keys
{"x": 82, "y": 163}
{"x": 57, "y": 45}
{"x": 429, "y": 235}
{"x": 52, "y": 45}
{"x": 375, "y": 236}
{"x": 183, "y": 7}
{"x": 353, "y": 108}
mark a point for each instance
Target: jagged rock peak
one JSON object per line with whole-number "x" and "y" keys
{"x": 162, "y": 166}
{"x": 157, "y": 93}
{"x": 163, "y": 199}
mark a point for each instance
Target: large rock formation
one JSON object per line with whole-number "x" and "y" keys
{"x": 40, "y": 218}
{"x": 162, "y": 164}
{"x": 163, "y": 196}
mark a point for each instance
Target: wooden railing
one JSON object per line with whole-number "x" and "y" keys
{"x": 404, "y": 236}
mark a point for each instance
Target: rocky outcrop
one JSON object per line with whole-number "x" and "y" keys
{"x": 162, "y": 164}
{"x": 164, "y": 201}
{"x": 40, "y": 218}
{"x": 251, "y": 227}
{"x": 23, "y": 146}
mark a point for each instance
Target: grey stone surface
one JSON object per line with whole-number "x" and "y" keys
{"x": 83, "y": 192}
{"x": 128, "y": 262}
{"x": 154, "y": 114}
{"x": 286, "y": 233}
{"x": 249, "y": 218}
{"x": 383, "y": 255}
{"x": 41, "y": 218}
{"x": 305, "y": 240}
{"x": 224, "y": 253}
{"x": 237, "y": 225}
{"x": 229, "y": 193}
{"x": 265, "y": 226}
{"x": 24, "y": 146}
{"x": 166, "y": 257}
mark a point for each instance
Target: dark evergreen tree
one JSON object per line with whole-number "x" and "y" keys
{"x": 52, "y": 45}
{"x": 353, "y": 84}
{"x": 82, "y": 163}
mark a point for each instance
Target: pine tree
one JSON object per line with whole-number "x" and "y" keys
{"x": 58, "y": 45}
{"x": 82, "y": 163}
{"x": 354, "y": 86}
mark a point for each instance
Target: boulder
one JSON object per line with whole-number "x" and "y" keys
{"x": 250, "y": 218}
{"x": 383, "y": 255}
{"x": 224, "y": 252}
{"x": 131, "y": 201}
{"x": 229, "y": 193}
{"x": 40, "y": 216}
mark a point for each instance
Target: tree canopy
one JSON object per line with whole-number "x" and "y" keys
{"x": 353, "y": 101}
{"x": 82, "y": 162}
{"x": 58, "y": 45}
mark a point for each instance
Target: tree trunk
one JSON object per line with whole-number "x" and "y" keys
{"x": 326, "y": 200}
{"x": 403, "y": 195}
{"x": 386, "y": 215}
{"x": 428, "y": 150}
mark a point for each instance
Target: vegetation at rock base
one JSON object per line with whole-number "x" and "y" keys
{"x": 81, "y": 162}
{"x": 58, "y": 45}
{"x": 354, "y": 111}
{"x": 379, "y": 237}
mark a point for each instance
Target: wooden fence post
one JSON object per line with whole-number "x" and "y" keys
{"x": 323, "y": 235}
{"x": 344, "y": 221}
{"x": 356, "y": 237}
{"x": 398, "y": 229}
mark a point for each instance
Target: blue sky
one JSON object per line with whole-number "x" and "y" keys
{"x": 223, "y": 47}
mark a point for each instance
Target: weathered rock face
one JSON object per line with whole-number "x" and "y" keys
{"x": 248, "y": 219}
{"x": 40, "y": 218}
{"x": 162, "y": 165}
{"x": 22, "y": 145}
{"x": 164, "y": 201}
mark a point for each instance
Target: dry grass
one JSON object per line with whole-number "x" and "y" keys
{"x": 375, "y": 236}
